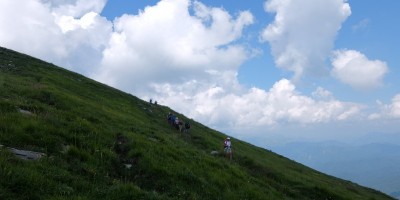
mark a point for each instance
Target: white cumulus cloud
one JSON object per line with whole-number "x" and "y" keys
{"x": 355, "y": 69}
{"x": 166, "y": 43}
{"x": 303, "y": 32}
{"x": 388, "y": 111}
{"x": 71, "y": 34}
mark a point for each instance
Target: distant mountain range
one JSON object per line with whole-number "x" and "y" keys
{"x": 375, "y": 165}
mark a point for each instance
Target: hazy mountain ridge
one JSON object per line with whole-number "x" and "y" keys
{"x": 374, "y": 165}
{"x": 101, "y": 143}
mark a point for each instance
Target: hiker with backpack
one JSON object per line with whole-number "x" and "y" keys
{"x": 187, "y": 127}
{"x": 228, "y": 148}
{"x": 172, "y": 120}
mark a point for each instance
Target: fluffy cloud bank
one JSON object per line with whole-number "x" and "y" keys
{"x": 355, "y": 69}
{"x": 303, "y": 33}
{"x": 257, "y": 108}
{"x": 192, "y": 66}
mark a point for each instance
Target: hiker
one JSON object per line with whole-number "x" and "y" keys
{"x": 187, "y": 127}
{"x": 169, "y": 118}
{"x": 176, "y": 124}
{"x": 155, "y": 102}
{"x": 180, "y": 125}
{"x": 151, "y": 101}
{"x": 228, "y": 148}
{"x": 172, "y": 120}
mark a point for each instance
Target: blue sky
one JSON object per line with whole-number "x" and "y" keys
{"x": 264, "y": 71}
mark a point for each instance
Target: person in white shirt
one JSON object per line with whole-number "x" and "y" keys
{"x": 228, "y": 148}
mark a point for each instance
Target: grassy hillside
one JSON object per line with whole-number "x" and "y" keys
{"x": 89, "y": 131}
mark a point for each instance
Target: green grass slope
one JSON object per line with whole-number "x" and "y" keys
{"x": 78, "y": 123}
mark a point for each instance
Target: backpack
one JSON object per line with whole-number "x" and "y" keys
{"x": 187, "y": 125}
